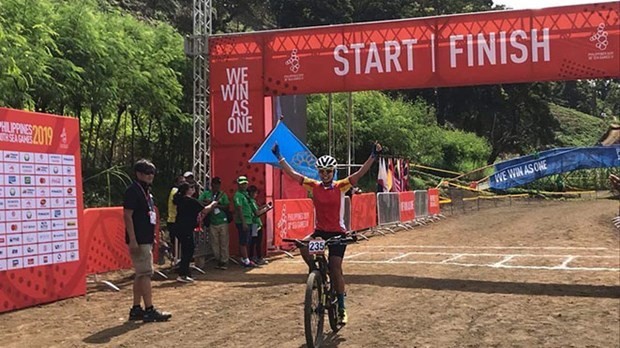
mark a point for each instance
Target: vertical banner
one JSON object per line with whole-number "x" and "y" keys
{"x": 363, "y": 211}
{"x": 237, "y": 113}
{"x": 294, "y": 218}
{"x": 433, "y": 201}
{"x": 41, "y": 240}
{"x": 407, "y": 206}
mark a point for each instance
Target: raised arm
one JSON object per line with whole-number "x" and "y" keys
{"x": 355, "y": 177}
{"x": 286, "y": 168}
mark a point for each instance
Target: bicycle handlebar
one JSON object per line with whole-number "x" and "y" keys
{"x": 337, "y": 240}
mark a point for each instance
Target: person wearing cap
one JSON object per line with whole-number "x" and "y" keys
{"x": 243, "y": 219}
{"x": 189, "y": 177}
{"x": 218, "y": 222}
{"x": 190, "y": 213}
{"x": 140, "y": 217}
{"x": 256, "y": 251}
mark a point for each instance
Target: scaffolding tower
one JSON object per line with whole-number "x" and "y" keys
{"x": 197, "y": 48}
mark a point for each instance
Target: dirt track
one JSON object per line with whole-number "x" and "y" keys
{"x": 520, "y": 276}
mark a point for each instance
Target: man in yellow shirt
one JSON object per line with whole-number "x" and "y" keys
{"x": 172, "y": 213}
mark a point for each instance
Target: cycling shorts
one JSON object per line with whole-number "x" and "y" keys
{"x": 334, "y": 250}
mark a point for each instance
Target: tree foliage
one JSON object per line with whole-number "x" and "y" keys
{"x": 120, "y": 76}
{"x": 406, "y": 130}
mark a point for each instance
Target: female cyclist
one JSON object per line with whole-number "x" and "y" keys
{"x": 328, "y": 198}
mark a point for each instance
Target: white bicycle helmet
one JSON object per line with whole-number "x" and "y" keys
{"x": 326, "y": 162}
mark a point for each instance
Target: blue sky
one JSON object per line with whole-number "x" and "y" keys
{"x": 521, "y": 4}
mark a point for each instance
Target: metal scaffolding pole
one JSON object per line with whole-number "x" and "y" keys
{"x": 197, "y": 48}
{"x": 330, "y": 126}
{"x": 349, "y": 132}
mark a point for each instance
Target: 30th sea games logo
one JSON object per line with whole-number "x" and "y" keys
{"x": 601, "y": 43}
{"x": 294, "y": 65}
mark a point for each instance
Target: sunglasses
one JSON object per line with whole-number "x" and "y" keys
{"x": 149, "y": 172}
{"x": 326, "y": 171}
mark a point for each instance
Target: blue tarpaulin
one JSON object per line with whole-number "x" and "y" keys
{"x": 292, "y": 149}
{"x": 511, "y": 162}
{"x": 531, "y": 168}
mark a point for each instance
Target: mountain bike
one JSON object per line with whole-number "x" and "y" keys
{"x": 320, "y": 292}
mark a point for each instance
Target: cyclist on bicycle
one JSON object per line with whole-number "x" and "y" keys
{"x": 328, "y": 198}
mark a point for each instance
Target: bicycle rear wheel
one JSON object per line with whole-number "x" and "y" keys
{"x": 314, "y": 310}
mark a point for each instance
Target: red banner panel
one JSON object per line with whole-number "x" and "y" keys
{"x": 106, "y": 249}
{"x": 41, "y": 225}
{"x": 293, "y": 218}
{"x": 363, "y": 211}
{"x": 433, "y": 201}
{"x": 407, "y": 207}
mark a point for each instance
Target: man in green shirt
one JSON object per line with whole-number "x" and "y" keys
{"x": 243, "y": 219}
{"x": 218, "y": 222}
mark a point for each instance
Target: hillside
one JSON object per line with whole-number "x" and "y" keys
{"x": 576, "y": 128}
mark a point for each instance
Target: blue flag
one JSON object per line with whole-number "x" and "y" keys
{"x": 294, "y": 151}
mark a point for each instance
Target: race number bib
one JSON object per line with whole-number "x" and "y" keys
{"x": 316, "y": 247}
{"x": 153, "y": 217}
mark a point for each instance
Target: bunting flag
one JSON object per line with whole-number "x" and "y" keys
{"x": 405, "y": 175}
{"x": 292, "y": 149}
{"x": 390, "y": 176}
{"x": 397, "y": 184}
{"x": 382, "y": 176}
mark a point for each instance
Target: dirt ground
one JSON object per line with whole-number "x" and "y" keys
{"x": 526, "y": 275}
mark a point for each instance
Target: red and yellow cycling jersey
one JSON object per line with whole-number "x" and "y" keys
{"x": 328, "y": 203}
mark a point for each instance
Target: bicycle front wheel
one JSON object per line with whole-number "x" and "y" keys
{"x": 332, "y": 308}
{"x": 314, "y": 310}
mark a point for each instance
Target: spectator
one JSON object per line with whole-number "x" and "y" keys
{"x": 243, "y": 219}
{"x": 189, "y": 177}
{"x": 172, "y": 213}
{"x": 218, "y": 222}
{"x": 190, "y": 213}
{"x": 140, "y": 219}
{"x": 255, "y": 252}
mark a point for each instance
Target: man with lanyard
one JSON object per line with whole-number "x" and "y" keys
{"x": 218, "y": 222}
{"x": 328, "y": 199}
{"x": 140, "y": 220}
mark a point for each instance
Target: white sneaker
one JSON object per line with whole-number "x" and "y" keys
{"x": 185, "y": 279}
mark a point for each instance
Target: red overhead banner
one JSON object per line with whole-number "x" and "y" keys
{"x": 41, "y": 240}
{"x": 570, "y": 42}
